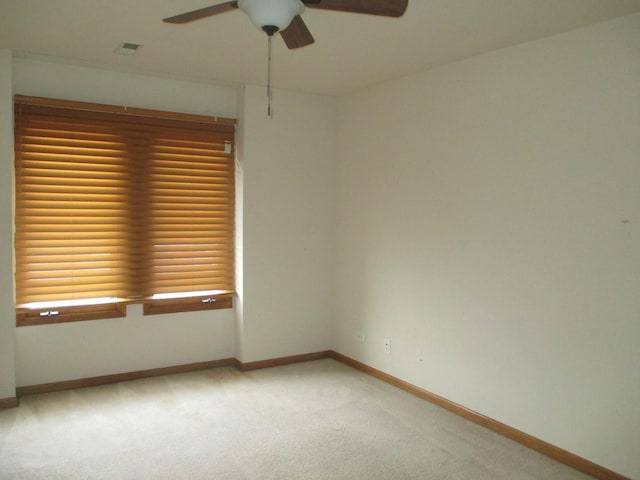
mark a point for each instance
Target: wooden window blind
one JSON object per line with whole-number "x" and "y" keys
{"x": 115, "y": 205}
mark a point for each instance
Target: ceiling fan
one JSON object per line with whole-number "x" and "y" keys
{"x": 284, "y": 15}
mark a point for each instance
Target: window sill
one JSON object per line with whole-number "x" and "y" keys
{"x": 26, "y": 317}
{"x": 190, "y": 304}
{"x": 46, "y": 316}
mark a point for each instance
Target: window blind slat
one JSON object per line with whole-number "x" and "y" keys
{"x": 118, "y": 205}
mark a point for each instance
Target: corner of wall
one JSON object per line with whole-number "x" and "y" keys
{"x": 7, "y": 315}
{"x": 287, "y": 219}
{"x": 239, "y": 269}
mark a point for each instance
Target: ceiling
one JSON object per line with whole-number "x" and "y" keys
{"x": 351, "y": 51}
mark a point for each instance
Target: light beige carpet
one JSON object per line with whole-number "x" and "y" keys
{"x": 316, "y": 420}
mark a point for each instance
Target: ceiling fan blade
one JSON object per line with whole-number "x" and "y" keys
{"x": 202, "y": 13}
{"x": 297, "y": 34}
{"x": 386, "y": 8}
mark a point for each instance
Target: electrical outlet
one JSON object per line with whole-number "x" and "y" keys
{"x": 387, "y": 346}
{"x": 360, "y": 338}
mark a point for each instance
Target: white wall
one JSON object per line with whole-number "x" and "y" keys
{"x": 7, "y": 313}
{"x": 489, "y": 221}
{"x": 69, "y": 82}
{"x": 288, "y": 172}
{"x": 83, "y": 349}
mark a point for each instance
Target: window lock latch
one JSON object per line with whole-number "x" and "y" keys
{"x": 208, "y": 300}
{"x": 50, "y": 313}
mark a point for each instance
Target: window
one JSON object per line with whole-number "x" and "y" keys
{"x": 117, "y": 206}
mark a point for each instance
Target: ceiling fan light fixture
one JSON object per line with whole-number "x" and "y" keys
{"x": 271, "y": 15}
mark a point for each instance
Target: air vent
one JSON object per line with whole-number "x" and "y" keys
{"x": 127, "y": 48}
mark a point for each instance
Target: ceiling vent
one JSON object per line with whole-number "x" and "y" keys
{"x": 127, "y": 48}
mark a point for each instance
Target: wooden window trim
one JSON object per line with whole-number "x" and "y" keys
{"x": 28, "y": 317}
{"x": 142, "y": 112}
{"x": 67, "y": 314}
{"x": 188, "y": 304}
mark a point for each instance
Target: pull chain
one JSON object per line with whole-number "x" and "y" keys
{"x": 269, "y": 112}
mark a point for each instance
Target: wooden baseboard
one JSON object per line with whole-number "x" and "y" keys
{"x": 123, "y": 377}
{"x": 276, "y": 362}
{"x": 556, "y": 453}
{"x": 10, "y": 402}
